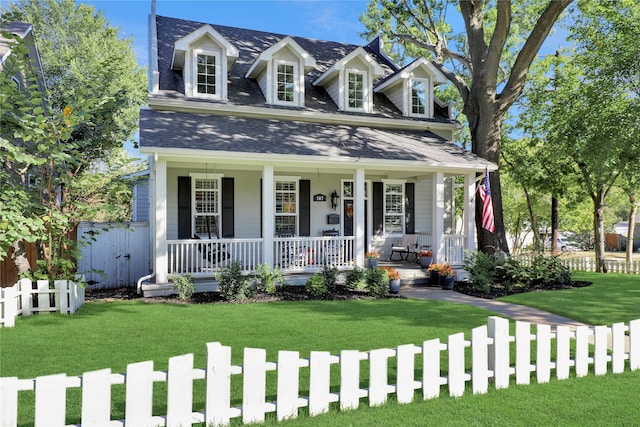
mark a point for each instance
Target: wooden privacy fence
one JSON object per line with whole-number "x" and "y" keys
{"x": 24, "y": 299}
{"x": 491, "y": 349}
{"x": 589, "y": 264}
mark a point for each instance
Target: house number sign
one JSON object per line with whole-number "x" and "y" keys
{"x": 319, "y": 198}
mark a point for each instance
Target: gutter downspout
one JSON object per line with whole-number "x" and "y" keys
{"x": 144, "y": 279}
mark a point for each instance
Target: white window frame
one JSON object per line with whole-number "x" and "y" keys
{"x": 218, "y": 208}
{"x": 387, "y": 214}
{"x": 296, "y": 86}
{"x": 296, "y": 213}
{"x": 218, "y": 74}
{"x": 428, "y": 97}
{"x": 365, "y": 90}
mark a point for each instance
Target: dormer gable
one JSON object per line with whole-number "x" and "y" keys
{"x": 280, "y": 72}
{"x": 349, "y": 81}
{"x": 204, "y": 57}
{"x": 410, "y": 89}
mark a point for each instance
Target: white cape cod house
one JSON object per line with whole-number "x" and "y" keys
{"x": 268, "y": 148}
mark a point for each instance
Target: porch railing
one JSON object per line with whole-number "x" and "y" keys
{"x": 454, "y": 245}
{"x": 204, "y": 257}
{"x": 313, "y": 253}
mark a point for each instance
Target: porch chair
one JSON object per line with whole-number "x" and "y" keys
{"x": 408, "y": 246}
{"x": 214, "y": 253}
{"x": 332, "y": 249}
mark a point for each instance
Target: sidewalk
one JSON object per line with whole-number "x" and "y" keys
{"x": 512, "y": 311}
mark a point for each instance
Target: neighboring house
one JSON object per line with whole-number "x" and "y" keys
{"x": 269, "y": 148}
{"x": 21, "y": 77}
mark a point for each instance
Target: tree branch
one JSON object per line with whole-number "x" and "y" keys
{"x": 520, "y": 68}
{"x": 472, "y": 14}
{"x": 498, "y": 40}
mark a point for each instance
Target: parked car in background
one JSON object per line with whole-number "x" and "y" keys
{"x": 563, "y": 245}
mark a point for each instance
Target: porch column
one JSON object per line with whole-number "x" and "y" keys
{"x": 470, "y": 211}
{"x": 268, "y": 225}
{"x": 437, "y": 226}
{"x": 359, "y": 231}
{"x": 161, "y": 263}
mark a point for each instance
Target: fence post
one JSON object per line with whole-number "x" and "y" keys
{"x": 543, "y": 353}
{"x": 405, "y": 386}
{"x": 617, "y": 346}
{"x": 10, "y": 310}
{"x": 180, "y": 390}
{"x": 62, "y": 296}
{"x": 139, "y": 394}
{"x": 499, "y": 350}
{"x": 319, "y": 382}
{"x": 456, "y": 375}
{"x": 51, "y": 400}
{"x": 480, "y": 360}
{"x": 634, "y": 344}
{"x": 288, "y": 384}
{"x": 25, "y": 287}
{"x": 600, "y": 357}
{"x": 9, "y": 401}
{"x": 44, "y": 299}
{"x": 563, "y": 356}
{"x": 431, "y": 380}
{"x": 349, "y": 379}
{"x": 523, "y": 352}
{"x": 582, "y": 350}
{"x": 96, "y": 398}
{"x": 254, "y": 385}
{"x": 218, "y": 380}
{"x": 378, "y": 375}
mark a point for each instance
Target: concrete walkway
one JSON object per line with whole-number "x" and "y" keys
{"x": 512, "y": 311}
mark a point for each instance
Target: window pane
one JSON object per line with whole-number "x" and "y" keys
{"x": 285, "y": 225}
{"x": 393, "y": 224}
{"x": 393, "y": 203}
{"x": 207, "y": 225}
{"x": 355, "y": 90}
{"x": 285, "y": 82}
{"x": 418, "y": 97}
{"x": 206, "y": 74}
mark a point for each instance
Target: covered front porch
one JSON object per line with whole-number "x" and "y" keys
{"x": 302, "y": 219}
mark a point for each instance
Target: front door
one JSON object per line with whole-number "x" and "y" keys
{"x": 348, "y": 203}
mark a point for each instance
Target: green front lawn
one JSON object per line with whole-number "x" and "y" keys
{"x": 111, "y": 335}
{"x": 611, "y": 298}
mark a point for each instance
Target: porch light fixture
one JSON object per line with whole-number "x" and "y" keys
{"x": 334, "y": 200}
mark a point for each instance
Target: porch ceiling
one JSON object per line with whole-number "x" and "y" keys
{"x": 170, "y": 131}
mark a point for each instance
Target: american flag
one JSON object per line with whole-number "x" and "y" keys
{"x": 487, "y": 203}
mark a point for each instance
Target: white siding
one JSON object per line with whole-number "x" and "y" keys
{"x": 424, "y": 204}
{"x": 333, "y": 89}
{"x": 141, "y": 206}
{"x": 395, "y": 95}
{"x": 262, "y": 82}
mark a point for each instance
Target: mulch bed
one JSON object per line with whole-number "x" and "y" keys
{"x": 497, "y": 291}
{"x": 288, "y": 293}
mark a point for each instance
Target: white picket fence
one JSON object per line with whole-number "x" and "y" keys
{"x": 589, "y": 264}
{"x": 62, "y": 296}
{"x": 491, "y": 347}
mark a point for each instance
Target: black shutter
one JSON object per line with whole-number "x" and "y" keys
{"x": 227, "y": 207}
{"x": 378, "y": 209}
{"x": 184, "y": 207}
{"x": 261, "y": 211}
{"x": 410, "y": 208}
{"x": 304, "y": 220}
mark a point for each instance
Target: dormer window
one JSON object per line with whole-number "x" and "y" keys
{"x": 207, "y": 78}
{"x": 419, "y": 97}
{"x": 280, "y": 72}
{"x": 411, "y": 88}
{"x": 204, "y": 57}
{"x": 348, "y": 81}
{"x": 286, "y": 77}
{"x": 355, "y": 90}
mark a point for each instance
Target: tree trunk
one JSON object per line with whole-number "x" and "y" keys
{"x": 598, "y": 228}
{"x": 554, "y": 225}
{"x": 534, "y": 221}
{"x": 485, "y": 124}
{"x": 632, "y": 227}
{"x": 19, "y": 257}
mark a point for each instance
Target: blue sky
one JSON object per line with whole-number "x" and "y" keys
{"x": 320, "y": 19}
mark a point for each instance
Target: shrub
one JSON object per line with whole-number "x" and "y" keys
{"x": 268, "y": 280}
{"x": 355, "y": 279}
{"x": 316, "y": 286}
{"x": 377, "y": 282}
{"x": 481, "y": 268}
{"x": 233, "y": 285}
{"x": 330, "y": 275}
{"x": 549, "y": 271}
{"x": 183, "y": 285}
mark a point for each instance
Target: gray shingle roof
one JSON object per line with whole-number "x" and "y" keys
{"x": 163, "y": 129}
{"x": 250, "y": 43}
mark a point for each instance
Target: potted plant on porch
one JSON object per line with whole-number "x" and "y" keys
{"x": 394, "y": 279}
{"x": 425, "y": 257}
{"x": 447, "y": 276}
{"x": 372, "y": 259}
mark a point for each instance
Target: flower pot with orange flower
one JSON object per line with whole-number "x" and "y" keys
{"x": 371, "y": 259}
{"x": 394, "y": 279}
